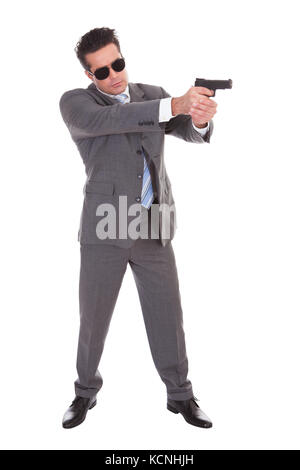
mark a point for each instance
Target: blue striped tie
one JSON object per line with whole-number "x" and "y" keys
{"x": 147, "y": 195}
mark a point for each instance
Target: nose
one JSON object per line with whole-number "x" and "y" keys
{"x": 113, "y": 73}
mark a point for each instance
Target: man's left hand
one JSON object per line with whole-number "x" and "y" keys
{"x": 202, "y": 111}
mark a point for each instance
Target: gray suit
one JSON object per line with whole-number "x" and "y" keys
{"x": 109, "y": 136}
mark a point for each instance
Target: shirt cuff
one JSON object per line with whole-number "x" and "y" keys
{"x": 202, "y": 130}
{"x": 165, "y": 109}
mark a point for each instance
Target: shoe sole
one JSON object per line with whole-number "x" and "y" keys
{"x": 173, "y": 410}
{"x": 77, "y": 424}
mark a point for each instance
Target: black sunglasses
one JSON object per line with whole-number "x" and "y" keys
{"x": 103, "y": 72}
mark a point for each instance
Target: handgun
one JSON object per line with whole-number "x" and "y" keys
{"x": 213, "y": 84}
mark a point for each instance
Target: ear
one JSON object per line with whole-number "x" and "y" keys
{"x": 88, "y": 75}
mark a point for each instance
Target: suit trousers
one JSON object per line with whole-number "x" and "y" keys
{"x": 102, "y": 268}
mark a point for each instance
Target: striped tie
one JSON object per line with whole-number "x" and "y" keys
{"x": 147, "y": 196}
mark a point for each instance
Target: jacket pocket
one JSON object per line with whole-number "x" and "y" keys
{"x": 99, "y": 187}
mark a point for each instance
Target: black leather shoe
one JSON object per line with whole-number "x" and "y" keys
{"x": 191, "y": 412}
{"x": 76, "y": 413}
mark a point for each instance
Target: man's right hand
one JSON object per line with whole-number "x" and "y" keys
{"x": 196, "y": 94}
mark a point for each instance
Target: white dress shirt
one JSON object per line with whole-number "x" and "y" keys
{"x": 165, "y": 110}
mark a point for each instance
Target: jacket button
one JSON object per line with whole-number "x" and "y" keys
{"x": 139, "y": 152}
{"x": 139, "y": 175}
{"x": 138, "y": 199}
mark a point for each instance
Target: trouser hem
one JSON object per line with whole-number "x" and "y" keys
{"x": 85, "y": 393}
{"x": 180, "y": 395}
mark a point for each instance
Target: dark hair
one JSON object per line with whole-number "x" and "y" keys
{"x": 94, "y": 40}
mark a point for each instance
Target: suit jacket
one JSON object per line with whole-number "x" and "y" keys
{"x": 110, "y": 137}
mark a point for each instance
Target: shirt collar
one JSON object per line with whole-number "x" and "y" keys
{"x": 126, "y": 91}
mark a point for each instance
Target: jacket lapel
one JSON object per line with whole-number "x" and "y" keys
{"x": 136, "y": 94}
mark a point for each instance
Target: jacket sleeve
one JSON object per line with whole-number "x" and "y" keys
{"x": 181, "y": 126}
{"x": 85, "y": 118}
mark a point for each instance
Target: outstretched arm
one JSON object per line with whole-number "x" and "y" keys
{"x": 85, "y": 118}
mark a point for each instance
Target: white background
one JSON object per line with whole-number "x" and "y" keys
{"x": 236, "y": 247}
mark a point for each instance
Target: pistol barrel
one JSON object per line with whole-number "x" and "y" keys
{"x": 214, "y": 84}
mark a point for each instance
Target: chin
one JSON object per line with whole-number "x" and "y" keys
{"x": 119, "y": 89}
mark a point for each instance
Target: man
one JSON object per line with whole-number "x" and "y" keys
{"x": 119, "y": 130}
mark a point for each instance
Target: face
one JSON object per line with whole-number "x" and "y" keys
{"x": 104, "y": 57}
